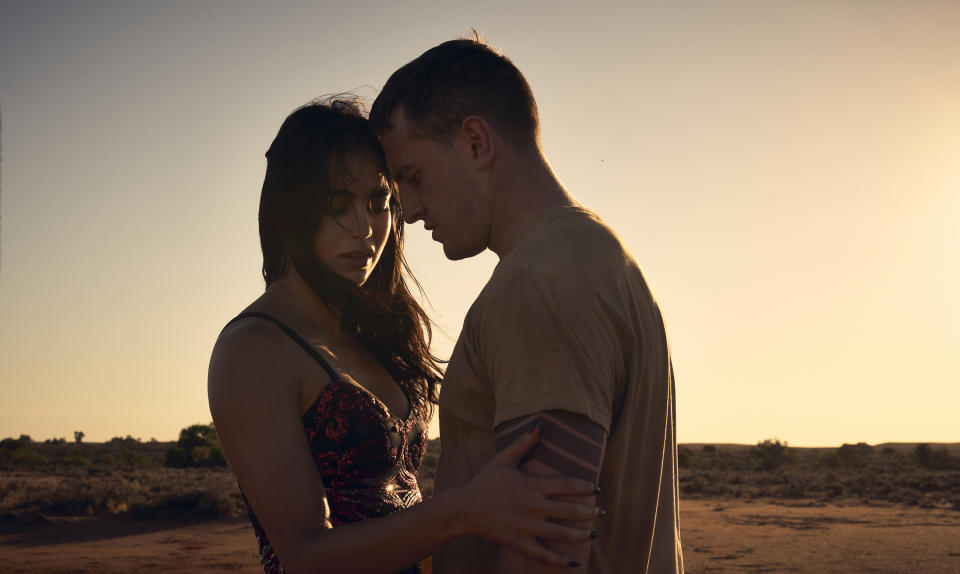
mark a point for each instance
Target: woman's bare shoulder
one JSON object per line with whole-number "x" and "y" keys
{"x": 248, "y": 354}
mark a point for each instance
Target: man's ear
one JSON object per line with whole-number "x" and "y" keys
{"x": 477, "y": 141}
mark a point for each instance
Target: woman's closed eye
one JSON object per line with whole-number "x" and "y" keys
{"x": 380, "y": 202}
{"x": 340, "y": 204}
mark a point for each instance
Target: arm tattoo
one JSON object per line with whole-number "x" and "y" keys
{"x": 567, "y": 444}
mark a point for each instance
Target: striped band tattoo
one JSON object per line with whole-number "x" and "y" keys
{"x": 566, "y": 444}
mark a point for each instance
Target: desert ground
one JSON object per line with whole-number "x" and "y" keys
{"x": 718, "y": 536}
{"x": 143, "y": 507}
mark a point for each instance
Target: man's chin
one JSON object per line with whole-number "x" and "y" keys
{"x": 456, "y": 253}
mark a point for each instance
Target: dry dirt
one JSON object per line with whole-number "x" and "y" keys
{"x": 718, "y": 536}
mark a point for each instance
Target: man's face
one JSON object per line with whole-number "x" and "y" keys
{"x": 438, "y": 187}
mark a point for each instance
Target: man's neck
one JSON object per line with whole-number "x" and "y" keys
{"x": 528, "y": 193}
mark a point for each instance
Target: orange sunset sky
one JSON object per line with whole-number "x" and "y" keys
{"x": 787, "y": 174}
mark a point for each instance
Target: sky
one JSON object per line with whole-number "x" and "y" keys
{"x": 786, "y": 173}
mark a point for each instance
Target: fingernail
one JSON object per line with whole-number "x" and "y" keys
{"x": 594, "y": 534}
{"x": 596, "y": 489}
{"x": 601, "y": 513}
{"x": 573, "y": 564}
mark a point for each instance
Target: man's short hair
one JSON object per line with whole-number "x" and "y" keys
{"x": 453, "y": 81}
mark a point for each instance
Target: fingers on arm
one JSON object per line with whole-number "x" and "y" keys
{"x": 522, "y": 441}
{"x": 568, "y": 457}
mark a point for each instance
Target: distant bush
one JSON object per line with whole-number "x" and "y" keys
{"x": 176, "y": 457}
{"x": 28, "y": 458}
{"x": 208, "y": 504}
{"x": 14, "y": 443}
{"x": 197, "y": 446}
{"x": 683, "y": 457}
{"x": 829, "y": 460}
{"x": 709, "y": 449}
{"x": 934, "y": 459}
{"x": 107, "y": 459}
{"x": 200, "y": 455}
{"x": 127, "y": 440}
{"x": 78, "y": 460}
{"x": 853, "y": 454}
{"x": 771, "y": 454}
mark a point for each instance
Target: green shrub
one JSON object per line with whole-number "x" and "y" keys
{"x": 197, "y": 446}
{"x": 208, "y": 504}
{"x": 771, "y": 454}
{"x": 106, "y": 460}
{"x": 853, "y": 454}
{"x": 78, "y": 460}
{"x": 934, "y": 459}
{"x": 26, "y": 457}
{"x": 197, "y": 435}
{"x": 200, "y": 455}
{"x": 829, "y": 460}
{"x": 176, "y": 457}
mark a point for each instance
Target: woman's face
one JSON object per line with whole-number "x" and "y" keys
{"x": 352, "y": 237}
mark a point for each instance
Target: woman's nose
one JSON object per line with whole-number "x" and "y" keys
{"x": 359, "y": 223}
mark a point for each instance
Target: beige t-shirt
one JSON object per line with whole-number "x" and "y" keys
{"x": 567, "y": 322}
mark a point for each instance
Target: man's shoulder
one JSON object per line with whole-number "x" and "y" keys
{"x": 574, "y": 248}
{"x": 574, "y": 241}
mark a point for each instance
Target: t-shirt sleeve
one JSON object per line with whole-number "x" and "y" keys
{"x": 548, "y": 345}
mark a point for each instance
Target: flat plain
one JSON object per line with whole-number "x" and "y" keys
{"x": 115, "y": 507}
{"x": 719, "y": 536}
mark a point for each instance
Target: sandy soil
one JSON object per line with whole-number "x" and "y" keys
{"x": 719, "y": 536}
{"x": 724, "y": 536}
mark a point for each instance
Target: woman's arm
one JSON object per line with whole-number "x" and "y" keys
{"x": 254, "y": 399}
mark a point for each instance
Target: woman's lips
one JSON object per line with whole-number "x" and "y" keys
{"x": 356, "y": 259}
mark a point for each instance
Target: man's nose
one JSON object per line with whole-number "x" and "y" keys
{"x": 410, "y": 204}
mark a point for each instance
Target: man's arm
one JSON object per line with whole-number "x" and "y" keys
{"x": 570, "y": 445}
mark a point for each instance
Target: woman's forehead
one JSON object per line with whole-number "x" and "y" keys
{"x": 362, "y": 170}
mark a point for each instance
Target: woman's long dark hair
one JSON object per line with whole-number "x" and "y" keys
{"x": 309, "y": 152}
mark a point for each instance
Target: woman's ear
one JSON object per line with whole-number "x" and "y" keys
{"x": 476, "y": 139}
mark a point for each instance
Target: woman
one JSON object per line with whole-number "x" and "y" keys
{"x": 321, "y": 388}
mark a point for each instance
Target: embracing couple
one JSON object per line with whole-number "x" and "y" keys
{"x": 557, "y": 411}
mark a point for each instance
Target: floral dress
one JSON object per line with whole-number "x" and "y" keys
{"x": 367, "y": 458}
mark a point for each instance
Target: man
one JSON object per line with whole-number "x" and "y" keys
{"x": 566, "y": 333}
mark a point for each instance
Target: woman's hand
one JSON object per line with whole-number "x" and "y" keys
{"x": 507, "y": 506}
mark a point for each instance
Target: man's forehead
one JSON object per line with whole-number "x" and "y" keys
{"x": 399, "y": 139}
{"x": 397, "y": 120}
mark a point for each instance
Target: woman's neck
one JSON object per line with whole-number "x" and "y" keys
{"x": 292, "y": 292}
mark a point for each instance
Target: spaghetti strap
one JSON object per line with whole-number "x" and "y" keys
{"x": 293, "y": 335}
